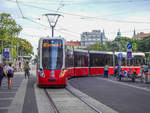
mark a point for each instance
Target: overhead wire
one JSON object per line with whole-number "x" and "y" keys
{"x": 88, "y": 17}
{"x": 42, "y": 24}
{"x": 86, "y": 2}
{"x": 19, "y": 9}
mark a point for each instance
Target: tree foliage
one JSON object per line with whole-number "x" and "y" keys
{"x": 119, "y": 44}
{"x": 144, "y": 44}
{"x": 9, "y": 31}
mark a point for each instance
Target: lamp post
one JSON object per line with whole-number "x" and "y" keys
{"x": 53, "y": 22}
{"x": 17, "y": 47}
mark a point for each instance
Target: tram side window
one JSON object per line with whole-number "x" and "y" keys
{"x": 123, "y": 61}
{"x": 81, "y": 60}
{"x": 139, "y": 60}
{"x": 69, "y": 59}
{"x": 97, "y": 60}
{"x": 136, "y": 61}
{"x": 108, "y": 59}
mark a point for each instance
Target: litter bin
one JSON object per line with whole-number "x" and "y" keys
{"x": 147, "y": 77}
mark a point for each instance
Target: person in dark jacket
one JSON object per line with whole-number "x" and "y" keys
{"x": 1, "y": 73}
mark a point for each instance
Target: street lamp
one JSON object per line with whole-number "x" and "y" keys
{"x": 53, "y": 20}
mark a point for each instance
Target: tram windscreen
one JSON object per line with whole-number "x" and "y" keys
{"x": 52, "y": 54}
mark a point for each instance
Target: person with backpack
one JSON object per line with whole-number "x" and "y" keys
{"x": 27, "y": 69}
{"x": 10, "y": 74}
{"x": 1, "y": 73}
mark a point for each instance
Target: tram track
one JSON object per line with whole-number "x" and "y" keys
{"x": 88, "y": 104}
{"x": 50, "y": 93}
{"x": 51, "y": 101}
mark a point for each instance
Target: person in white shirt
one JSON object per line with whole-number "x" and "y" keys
{"x": 106, "y": 68}
{"x": 10, "y": 73}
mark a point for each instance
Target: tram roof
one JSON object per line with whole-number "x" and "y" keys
{"x": 133, "y": 54}
{"x": 79, "y": 50}
{"x": 42, "y": 38}
{"x": 102, "y": 52}
{"x": 86, "y": 51}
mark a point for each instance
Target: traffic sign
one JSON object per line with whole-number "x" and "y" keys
{"x": 134, "y": 46}
{"x": 6, "y": 54}
{"x": 120, "y": 56}
{"x": 129, "y": 46}
{"x": 129, "y": 54}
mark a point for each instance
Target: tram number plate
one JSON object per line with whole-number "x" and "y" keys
{"x": 51, "y": 80}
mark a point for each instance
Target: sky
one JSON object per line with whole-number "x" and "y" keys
{"x": 78, "y": 16}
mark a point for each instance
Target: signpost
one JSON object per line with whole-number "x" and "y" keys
{"x": 6, "y": 53}
{"x": 120, "y": 56}
{"x": 134, "y": 46}
{"x": 129, "y": 46}
{"x": 129, "y": 52}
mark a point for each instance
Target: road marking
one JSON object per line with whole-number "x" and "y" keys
{"x": 121, "y": 83}
{"x": 6, "y": 98}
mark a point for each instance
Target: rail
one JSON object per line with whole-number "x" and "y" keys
{"x": 51, "y": 102}
{"x": 88, "y": 104}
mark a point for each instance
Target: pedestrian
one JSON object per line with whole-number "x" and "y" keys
{"x": 135, "y": 73}
{"x": 5, "y": 69}
{"x": 106, "y": 68}
{"x": 142, "y": 71}
{"x": 125, "y": 73}
{"x": 27, "y": 69}
{"x": 1, "y": 73}
{"x": 121, "y": 74}
{"x": 20, "y": 69}
{"x": 118, "y": 70}
{"x": 10, "y": 74}
{"x": 145, "y": 68}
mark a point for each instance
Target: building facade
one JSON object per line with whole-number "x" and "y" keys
{"x": 90, "y": 38}
{"x": 140, "y": 35}
{"x": 73, "y": 43}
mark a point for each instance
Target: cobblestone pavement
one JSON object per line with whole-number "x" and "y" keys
{"x": 7, "y": 95}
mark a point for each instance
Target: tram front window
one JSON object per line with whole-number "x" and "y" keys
{"x": 52, "y": 54}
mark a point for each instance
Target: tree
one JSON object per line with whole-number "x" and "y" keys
{"x": 25, "y": 48}
{"x": 95, "y": 47}
{"x": 144, "y": 44}
{"x": 9, "y": 31}
{"x": 8, "y": 26}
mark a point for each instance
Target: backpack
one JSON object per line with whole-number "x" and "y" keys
{"x": 10, "y": 72}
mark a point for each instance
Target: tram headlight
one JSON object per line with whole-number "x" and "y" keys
{"x": 42, "y": 73}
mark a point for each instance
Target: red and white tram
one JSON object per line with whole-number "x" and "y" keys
{"x": 91, "y": 63}
{"x": 56, "y": 63}
{"x": 51, "y": 62}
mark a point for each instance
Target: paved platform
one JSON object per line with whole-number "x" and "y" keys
{"x": 7, "y": 96}
{"x": 20, "y": 98}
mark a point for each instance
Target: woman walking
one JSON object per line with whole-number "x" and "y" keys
{"x": 10, "y": 73}
{"x": 1, "y": 73}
